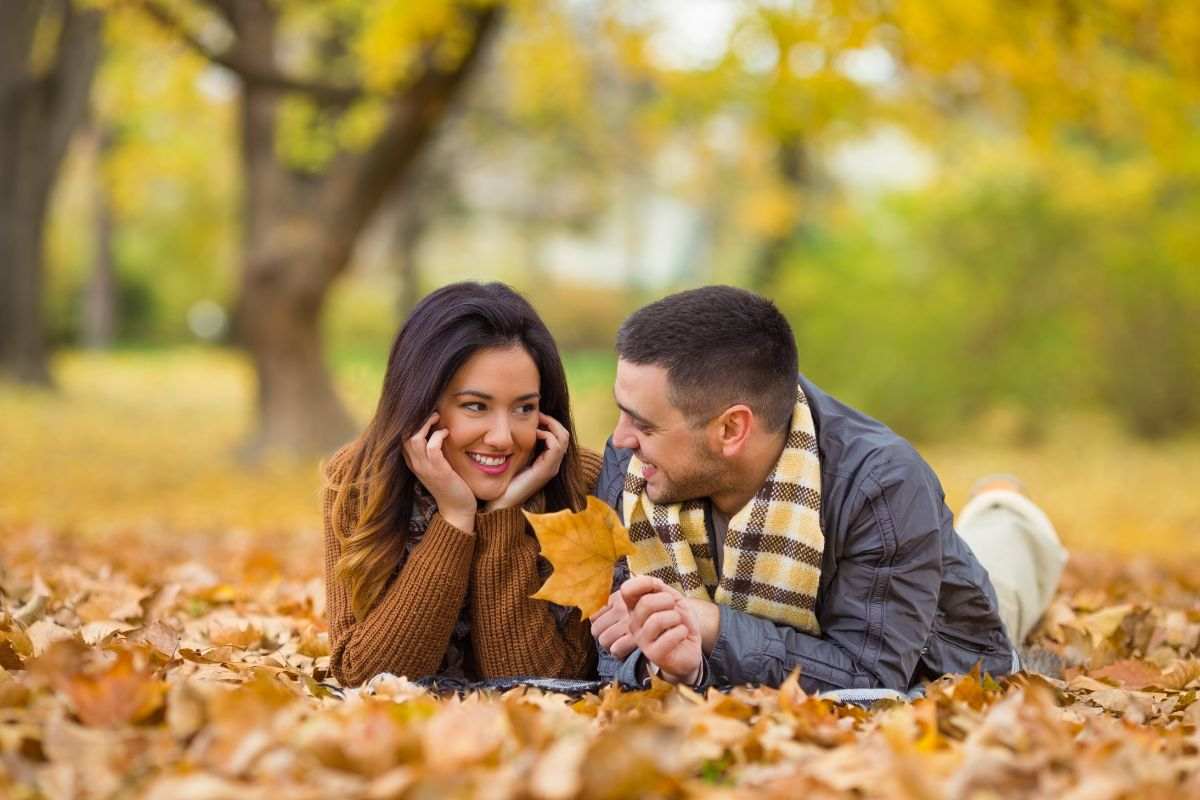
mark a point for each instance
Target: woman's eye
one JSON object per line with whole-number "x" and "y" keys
{"x": 527, "y": 408}
{"x": 474, "y": 406}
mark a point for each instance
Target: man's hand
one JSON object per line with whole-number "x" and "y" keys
{"x": 665, "y": 628}
{"x": 610, "y": 627}
{"x": 708, "y": 614}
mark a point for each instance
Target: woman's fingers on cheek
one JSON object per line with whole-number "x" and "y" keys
{"x": 414, "y": 456}
{"x": 423, "y": 431}
{"x": 557, "y": 435}
{"x": 559, "y": 430}
{"x": 434, "y": 449}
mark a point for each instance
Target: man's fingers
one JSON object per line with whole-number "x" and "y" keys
{"x": 622, "y": 647}
{"x": 649, "y": 605}
{"x": 612, "y": 634}
{"x": 614, "y": 600}
{"x": 633, "y": 589}
{"x": 608, "y": 617}
{"x": 658, "y": 623}
{"x": 660, "y": 650}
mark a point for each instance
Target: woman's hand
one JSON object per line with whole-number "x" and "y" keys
{"x": 423, "y": 454}
{"x": 530, "y": 480}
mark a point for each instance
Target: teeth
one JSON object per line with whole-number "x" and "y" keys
{"x": 488, "y": 461}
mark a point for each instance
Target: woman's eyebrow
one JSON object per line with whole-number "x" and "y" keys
{"x": 486, "y": 396}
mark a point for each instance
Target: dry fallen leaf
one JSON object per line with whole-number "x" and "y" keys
{"x": 1131, "y": 674}
{"x": 245, "y": 635}
{"x": 584, "y": 547}
{"x": 121, "y": 694}
{"x": 12, "y": 693}
{"x": 267, "y": 721}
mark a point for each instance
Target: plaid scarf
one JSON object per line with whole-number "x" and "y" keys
{"x": 772, "y": 551}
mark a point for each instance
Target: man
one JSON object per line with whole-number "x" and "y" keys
{"x": 775, "y": 527}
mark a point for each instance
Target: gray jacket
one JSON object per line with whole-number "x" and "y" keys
{"x": 902, "y": 599}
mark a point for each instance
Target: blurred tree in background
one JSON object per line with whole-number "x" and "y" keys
{"x": 48, "y": 55}
{"x": 961, "y": 208}
{"x": 337, "y": 101}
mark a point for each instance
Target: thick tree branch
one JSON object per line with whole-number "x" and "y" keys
{"x": 354, "y": 191}
{"x": 247, "y": 69}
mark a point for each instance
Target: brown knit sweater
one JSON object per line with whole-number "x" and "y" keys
{"x": 493, "y": 570}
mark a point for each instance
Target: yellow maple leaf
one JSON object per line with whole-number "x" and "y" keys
{"x": 583, "y": 547}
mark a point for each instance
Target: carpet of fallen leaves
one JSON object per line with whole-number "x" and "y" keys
{"x": 172, "y": 677}
{"x": 162, "y": 635}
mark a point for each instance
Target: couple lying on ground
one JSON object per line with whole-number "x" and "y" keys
{"x": 774, "y": 527}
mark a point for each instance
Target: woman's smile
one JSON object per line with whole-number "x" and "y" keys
{"x": 491, "y": 464}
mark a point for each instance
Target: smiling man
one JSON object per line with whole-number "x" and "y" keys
{"x": 775, "y": 527}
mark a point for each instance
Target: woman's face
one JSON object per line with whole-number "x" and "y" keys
{"x": 490, "y": 409}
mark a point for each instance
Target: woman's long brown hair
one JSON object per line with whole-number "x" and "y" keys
{"x": 373, "y": 485}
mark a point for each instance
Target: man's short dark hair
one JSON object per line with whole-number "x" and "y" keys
{"x": 720, "y": 346}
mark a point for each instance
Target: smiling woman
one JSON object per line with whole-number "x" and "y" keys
{"x": 490, "y": 410}
{"x": 429, "y": 561}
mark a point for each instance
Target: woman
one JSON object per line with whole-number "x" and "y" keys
{"x": 429, "y": 561}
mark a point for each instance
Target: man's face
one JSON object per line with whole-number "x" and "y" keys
{"x": 678, "y": 463}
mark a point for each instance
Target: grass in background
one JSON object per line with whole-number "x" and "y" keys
{"x": 144, "y": 440}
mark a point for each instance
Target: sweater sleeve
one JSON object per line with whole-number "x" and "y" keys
{"x": 513, "y": 634}
{"x": 409, "y": 628}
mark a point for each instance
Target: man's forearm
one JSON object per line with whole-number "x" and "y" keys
{"x": 751, "y": 649}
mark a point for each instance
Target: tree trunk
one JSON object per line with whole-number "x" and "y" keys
{"x": 283, "y": 283}
{"x": 100, "y": 295}
{"x": 279, "y": 324}
{"x": 792, "y": 164}
{"x": 411, "y": 223}
{"x": 42, "y": 102}
{"x": 301, "y": 230}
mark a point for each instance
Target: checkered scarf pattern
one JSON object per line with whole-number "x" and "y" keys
{"x": 772, "y": 551}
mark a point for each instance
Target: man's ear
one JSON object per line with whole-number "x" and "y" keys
{"x": 732, "y": 429}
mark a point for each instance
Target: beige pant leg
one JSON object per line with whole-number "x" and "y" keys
{"x": 1019, "y": 548}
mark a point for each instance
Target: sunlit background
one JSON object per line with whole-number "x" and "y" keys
{"x": 981, "y": 218}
